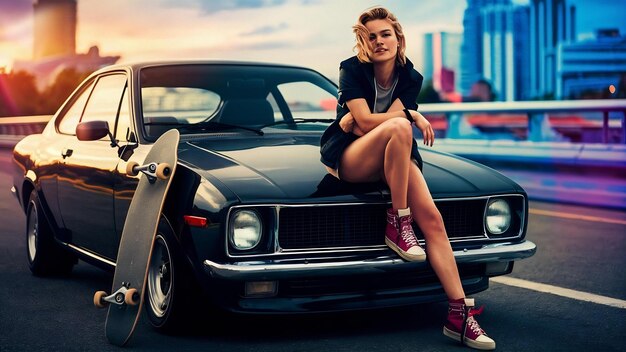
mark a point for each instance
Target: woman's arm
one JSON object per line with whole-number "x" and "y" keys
{"x": 362, "y": 121}
{"x": 367, "y": 120}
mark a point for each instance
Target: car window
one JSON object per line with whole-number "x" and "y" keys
{"x": 308, "y": 101}
{"x": 69, "y": 120}
{"x": 198, "y": 98}
{"x": 104, "y": 102}
{"x": 123, "y": 121}
{"x": 182, "y": 104}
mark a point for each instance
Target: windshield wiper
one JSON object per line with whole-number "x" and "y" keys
{"x": 296, "y": 121}
{"x": 209, "y": 125}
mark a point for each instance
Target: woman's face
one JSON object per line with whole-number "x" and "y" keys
{"x": 383, "y": 41}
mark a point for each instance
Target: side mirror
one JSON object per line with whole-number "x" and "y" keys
{"x": 92, "y": 130}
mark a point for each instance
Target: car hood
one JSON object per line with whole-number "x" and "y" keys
{"x": 288, "y": 168}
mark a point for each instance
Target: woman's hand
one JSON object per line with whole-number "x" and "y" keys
{"x": 424, "y": 126}
{"x": 347, "y": 123}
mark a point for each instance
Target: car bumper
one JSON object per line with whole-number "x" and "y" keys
{"x": 298, "y": 268}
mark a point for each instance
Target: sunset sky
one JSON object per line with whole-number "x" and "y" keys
{"x": 313, "y": 33}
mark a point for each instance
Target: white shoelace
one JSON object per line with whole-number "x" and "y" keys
{"x": 408, "y": 236}
{"x": 473, "y": 324}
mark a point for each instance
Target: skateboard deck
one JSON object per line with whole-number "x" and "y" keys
{"x": 129, "y": 282}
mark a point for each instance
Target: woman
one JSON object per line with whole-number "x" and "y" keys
{"x": 372, "y": 140}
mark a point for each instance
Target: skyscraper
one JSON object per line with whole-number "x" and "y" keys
{"x": 551, "y": 23}
{"x": 54, "y": 44}
{"x": 472, "y": 47}
{"x": 505, "y": 50}
{"x": 54, "y": 28}
{"x": 442, "y": 59}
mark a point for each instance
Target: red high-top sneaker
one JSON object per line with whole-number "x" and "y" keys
{"x": 462, "y": 326}
{"x": 400, "y": 237}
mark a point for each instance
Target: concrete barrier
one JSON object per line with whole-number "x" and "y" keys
{"x": 539, "y": 155}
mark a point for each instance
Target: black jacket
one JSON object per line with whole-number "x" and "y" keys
{"x": 356, "y": 80}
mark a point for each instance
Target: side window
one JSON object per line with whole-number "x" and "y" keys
{"x": 123, "y": 121}
{"x": 307, "y": 100}
{"x": 105, "y": 99}
{"x": 69, "y": 120}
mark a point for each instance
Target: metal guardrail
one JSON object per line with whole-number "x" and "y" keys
{"x": 23, "y": 125}
{"x": 536, "y": 112}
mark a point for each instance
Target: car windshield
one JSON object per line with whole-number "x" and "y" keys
{"x": 205, "y": 98}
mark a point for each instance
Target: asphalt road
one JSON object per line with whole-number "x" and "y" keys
{"x": 580, "y": 249}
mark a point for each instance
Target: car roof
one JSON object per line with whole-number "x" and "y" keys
{"x": 135, "y": 66}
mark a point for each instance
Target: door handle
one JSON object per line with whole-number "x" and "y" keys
{"x": 66, "y": 152}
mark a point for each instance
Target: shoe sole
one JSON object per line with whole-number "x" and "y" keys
{"x": 484, "y": 346}
{"x": 406, "y": 256}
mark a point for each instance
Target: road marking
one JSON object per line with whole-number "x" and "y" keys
{"x": 560, "y": 291}
{"x": 559, "y": 214}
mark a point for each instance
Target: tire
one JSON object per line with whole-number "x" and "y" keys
{"x": 45, "y": 256}
{"x": 170, "y": 289}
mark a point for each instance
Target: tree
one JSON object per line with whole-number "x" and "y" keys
{"x": 64, "y": 84}
{"x": 18, "y": 94}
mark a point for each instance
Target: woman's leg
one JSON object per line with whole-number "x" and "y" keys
{"x": 438, "y": 247}
{"x": 384, "y": 152}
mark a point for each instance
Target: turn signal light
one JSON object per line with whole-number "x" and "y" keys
{"x": 196, "y": 221}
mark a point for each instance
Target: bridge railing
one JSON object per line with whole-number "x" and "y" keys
{"x": 539, "y": 118}
{"x": 23, "y": 125}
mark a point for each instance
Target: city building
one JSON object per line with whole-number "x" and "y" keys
{"x": 505, "y": 52}
{"x": 54, "y": 43}
{"x": 552, "y": 23}
{"x": 54, "y": 28}
{"x": 442, "y": 61}
{"x": 587, "y": 69}
{"x": 472, "y": 46}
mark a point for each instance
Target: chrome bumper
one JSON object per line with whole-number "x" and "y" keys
{"x": 257, "y": 270}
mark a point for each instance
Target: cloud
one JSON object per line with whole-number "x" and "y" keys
{"x": 265, "y": 30}
{"x": 15, "y": 8}
{"x": 12, "y": 12}
{"x": 212, "y": 6}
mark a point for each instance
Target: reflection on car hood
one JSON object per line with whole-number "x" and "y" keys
{"x": 288, "y": 168}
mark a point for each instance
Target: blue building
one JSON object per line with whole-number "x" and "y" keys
{"x": 587, "y": 69}
{"x": 472, "y": 47}
{"x": 552, "y": 23}
{"x": 506, "y": 50}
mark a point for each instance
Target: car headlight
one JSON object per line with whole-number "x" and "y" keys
{"x": 245, "y": 229}
{"x": 498, "y": 216}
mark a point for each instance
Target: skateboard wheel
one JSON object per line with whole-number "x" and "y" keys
{"x": 163, "y": 171}
{"x": 131, "y": 297}
{"x": 130, "y": 168}
{"x": 98, "y": 299}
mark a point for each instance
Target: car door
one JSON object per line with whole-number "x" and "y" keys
{"x": 51, "y": 153}
{"x": 87, "y": 172}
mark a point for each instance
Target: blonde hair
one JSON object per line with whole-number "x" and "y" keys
{"x": 363, "y": 47}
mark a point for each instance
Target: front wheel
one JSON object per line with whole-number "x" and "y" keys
{"x": 169, "y": 285}
{"x": 45, "y": 256}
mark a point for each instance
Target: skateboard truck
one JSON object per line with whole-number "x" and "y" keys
{"x": 152, "y": 170}
{"x": 123, "y": 296}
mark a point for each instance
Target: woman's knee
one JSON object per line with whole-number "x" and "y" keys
{"x": 399, "y": 127}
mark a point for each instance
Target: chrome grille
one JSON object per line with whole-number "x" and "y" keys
{"x": 364, "y": 224}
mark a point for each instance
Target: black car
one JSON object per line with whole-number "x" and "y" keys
{"x": 252, "y": 220}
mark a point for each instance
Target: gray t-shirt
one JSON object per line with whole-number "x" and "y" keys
{"x": 383, "y": 96}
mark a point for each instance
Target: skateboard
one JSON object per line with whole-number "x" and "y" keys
{"x": 129, "y": 282}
